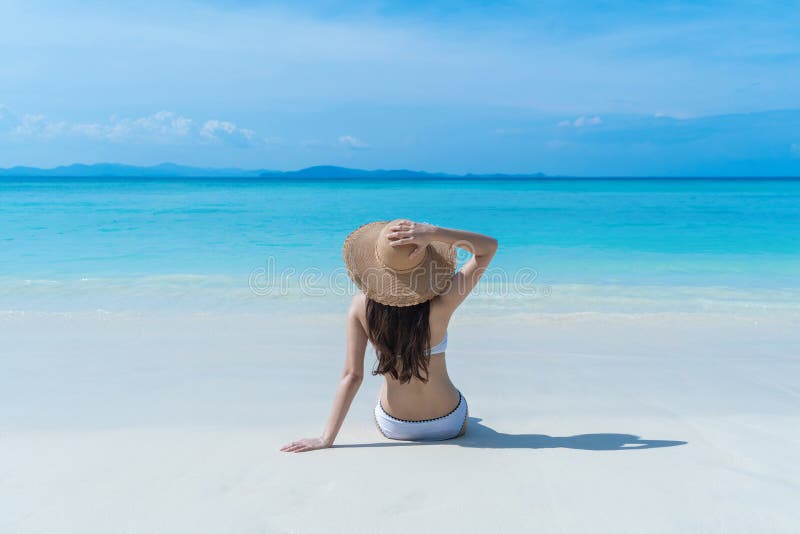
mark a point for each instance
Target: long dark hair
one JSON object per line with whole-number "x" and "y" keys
{"x": 401, "y": 336}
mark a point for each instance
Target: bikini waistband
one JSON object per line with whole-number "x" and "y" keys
{"x": 460, "y": 401}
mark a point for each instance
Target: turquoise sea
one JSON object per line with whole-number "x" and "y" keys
{"x": 567, "y": 245}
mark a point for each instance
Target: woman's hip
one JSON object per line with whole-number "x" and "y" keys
{"x": 447, "y": 426}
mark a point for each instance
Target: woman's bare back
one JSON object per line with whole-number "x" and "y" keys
{"x": 417, "y": 400}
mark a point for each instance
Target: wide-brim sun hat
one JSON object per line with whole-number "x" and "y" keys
{"x": 387, "y": 275}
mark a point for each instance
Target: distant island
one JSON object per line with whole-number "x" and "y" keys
{"x": 172, "y": 170}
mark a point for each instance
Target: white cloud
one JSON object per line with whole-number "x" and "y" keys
{"x": 160, "y": 127}
{"x": 226, "y": 131}
{"x": 672, "y": 115}
{"x": 352, "y": 142}
{"x": 582, "y": 121}
{"x": 587, "y": 121}
{"x": 163, "y": 125}
{"x": 38, "y": 126}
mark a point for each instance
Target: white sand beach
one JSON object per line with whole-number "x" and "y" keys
{"x": 578, "y": 423}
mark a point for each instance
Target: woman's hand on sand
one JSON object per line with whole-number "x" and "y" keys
{"x": 306, "y": 444}
{"x": 412, "y": 233}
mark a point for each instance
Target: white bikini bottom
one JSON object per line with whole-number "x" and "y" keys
{"x": 444, "y": 427}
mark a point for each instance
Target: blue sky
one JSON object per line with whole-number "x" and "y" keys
{"x": 582, "y": 88}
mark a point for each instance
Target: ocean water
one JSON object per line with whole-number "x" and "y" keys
{"x": 566, "y": 245}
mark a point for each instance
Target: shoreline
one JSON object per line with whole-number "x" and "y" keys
{"x": 225, "y": 295}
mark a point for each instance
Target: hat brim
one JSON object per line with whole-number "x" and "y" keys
{"x": 385, "y": 285}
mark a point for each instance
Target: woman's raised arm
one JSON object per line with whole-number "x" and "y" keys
{"x": 483, "y": 248}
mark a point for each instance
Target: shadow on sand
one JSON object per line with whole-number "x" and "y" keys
{"x": 483, "y": 437}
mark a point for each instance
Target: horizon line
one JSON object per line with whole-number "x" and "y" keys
{"x": 306, "y": 174}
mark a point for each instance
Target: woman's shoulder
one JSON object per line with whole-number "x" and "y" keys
{"x": 358, "y": 307}
{"x": 359, "y": 300}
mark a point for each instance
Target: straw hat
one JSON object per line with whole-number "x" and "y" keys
{"x": 387, "y": 275}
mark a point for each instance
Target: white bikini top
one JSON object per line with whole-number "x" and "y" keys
{"x": 440, "y": 347}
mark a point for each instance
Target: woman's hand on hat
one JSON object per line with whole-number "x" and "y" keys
{"x": 412, "y": 233}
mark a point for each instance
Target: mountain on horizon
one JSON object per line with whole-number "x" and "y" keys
{"x": 173, "y": 170}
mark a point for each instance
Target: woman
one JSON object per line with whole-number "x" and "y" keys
{"x": 409, "y": 291}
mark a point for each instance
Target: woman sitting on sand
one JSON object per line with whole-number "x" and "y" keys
{"x": 409, "y": 291}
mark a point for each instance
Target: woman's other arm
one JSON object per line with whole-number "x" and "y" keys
{"x": 349, "y": 383}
